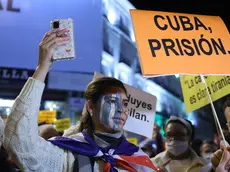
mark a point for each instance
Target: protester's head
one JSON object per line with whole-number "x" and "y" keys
{"x": 226, "y": 134}
{"x": 208, "y": 147}
{"x": 179, "y": 133}
{"x": 47, "y": 131}
{"x": 106, "y": 106}
{"x": 227, "y": 111}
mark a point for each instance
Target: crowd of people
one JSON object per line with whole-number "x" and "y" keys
{"x": 97, "y": 143}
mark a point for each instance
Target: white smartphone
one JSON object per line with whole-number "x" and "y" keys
{"x": 67, "y": 51}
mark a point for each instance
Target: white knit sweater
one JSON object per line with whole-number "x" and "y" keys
{"x": 27, "y": 148}
{"x": 21, "y": 139}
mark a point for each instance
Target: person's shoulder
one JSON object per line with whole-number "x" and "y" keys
{"x": 158, "y": 158}
{"x": 197, "y": 158}
{"x": 160, "y": 154}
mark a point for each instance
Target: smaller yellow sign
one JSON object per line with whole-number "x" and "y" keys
{"x": 195, "y": 94}
{"x": 47, "y": 116}
{"x": 132, "y": 140}
{"x": 62, "y": 124}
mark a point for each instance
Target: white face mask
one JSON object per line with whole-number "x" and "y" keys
{"x": 177, "y": 147}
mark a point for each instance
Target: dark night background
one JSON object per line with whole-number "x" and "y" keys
{"x": 206, "y": 7}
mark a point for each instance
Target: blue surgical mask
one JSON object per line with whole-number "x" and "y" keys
{"x": 177, "y": 147}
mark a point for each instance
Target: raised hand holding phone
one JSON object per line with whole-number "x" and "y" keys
{"x": 50, "y": 41}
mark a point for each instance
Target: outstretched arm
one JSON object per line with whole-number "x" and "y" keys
{"x": 21, "y": 139}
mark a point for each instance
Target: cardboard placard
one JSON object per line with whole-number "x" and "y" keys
{"x": 195, "y": 94}
{"x": 132, "y": 140}
{"x": 176, "y": 43}
{"x": 47, "y": 116}
{"x": 62, "y": 124}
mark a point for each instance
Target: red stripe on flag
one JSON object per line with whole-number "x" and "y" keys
{"x": 140, "y": 160}
{"x": 107, "y": 167}
{"x": 125, "y": 165}
{"x": 119, "y": 163}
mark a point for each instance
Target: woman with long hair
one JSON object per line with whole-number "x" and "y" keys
{"x": 97, "y": 144}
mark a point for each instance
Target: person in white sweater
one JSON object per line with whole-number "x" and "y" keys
{"x": 2, "y": 126}
{"x": 97, "y": 144}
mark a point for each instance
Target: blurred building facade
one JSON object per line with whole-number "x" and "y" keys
{"x": 112, "y": 52}
{"x": 120, "y": 59}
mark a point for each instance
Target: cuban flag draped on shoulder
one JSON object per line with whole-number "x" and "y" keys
{"x": 125, "y": 155}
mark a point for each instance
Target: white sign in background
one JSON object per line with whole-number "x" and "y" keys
{"x": 142, "y": 108}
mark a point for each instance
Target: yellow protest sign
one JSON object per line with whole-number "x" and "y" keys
{"x": 47, "y": 116}
{"x": 195, "y": 94}
{"x": 62, "y": 124}
{"x": 172, "y": 43}
{"x": 132, "y": 140}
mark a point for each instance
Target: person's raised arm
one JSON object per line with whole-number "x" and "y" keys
{"x": 21, "y": 138}
{"x": 46, "y": 48}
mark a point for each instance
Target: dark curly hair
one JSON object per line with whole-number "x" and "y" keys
{"x": 192, "y": 135}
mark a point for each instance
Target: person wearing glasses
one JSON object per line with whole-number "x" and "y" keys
{"x": 179, "y": 156}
